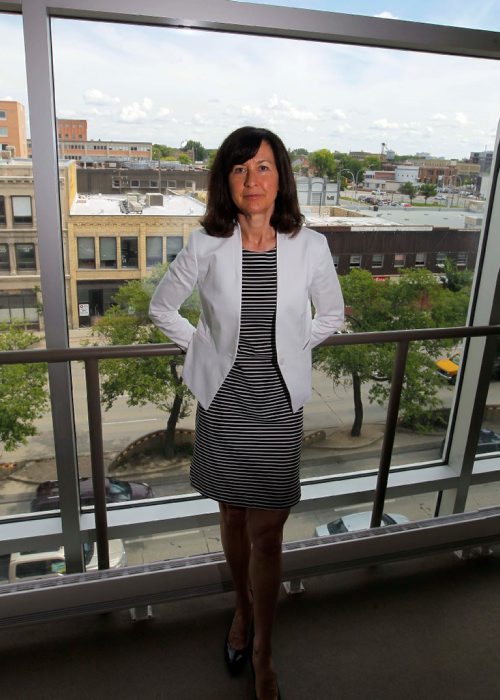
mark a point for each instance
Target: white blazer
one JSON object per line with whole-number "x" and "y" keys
{"x": 305, "y": 273}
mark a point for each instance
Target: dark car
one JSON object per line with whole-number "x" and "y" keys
{"x": 488, "y": 441}
{"x": 117, "y": 491}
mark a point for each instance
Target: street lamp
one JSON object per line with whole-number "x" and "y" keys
{"x": 339, "y": 173}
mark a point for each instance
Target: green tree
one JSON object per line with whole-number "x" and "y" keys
{"x": 297, "y": 153}
{"x": 199, "y": 152}
{"x": 372, "y": 163}
{"x": 427, "y": 189}
{"x": 410, "y": 189}
{"x": 161, "y": 152}
{"x": 454, "y": 279}
{"x": 323, "y": 163}
{"x": 23, "y": 390}
{"x": 153, "y": 380}
{"x": 184, "y": 159}
{"x": 417, "y": 300}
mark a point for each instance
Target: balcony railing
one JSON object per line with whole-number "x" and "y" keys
{"x": 91, "y": 356}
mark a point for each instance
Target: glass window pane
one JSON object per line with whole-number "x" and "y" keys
{"x": 154, "y": 255}
{"x": 130, "y": 252}
{"x": 3, "y": 218}
{"x": 25, "y": 256}
{"x": 174, "y": 247}
{"x": 21, "y": 210}
{"x": 107, "y": 251}
{"x": 86, "y": 252}
{"x": 4, "y": 258}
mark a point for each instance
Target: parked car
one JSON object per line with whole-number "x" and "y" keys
{"x": 30, "y": 565}
{"x": 357, "y": 521}
{"x": 447, "y": 367}
{"x": 117, "y": 491}
{"x": 488, "y": 441}
{"x": 441, "y": 197}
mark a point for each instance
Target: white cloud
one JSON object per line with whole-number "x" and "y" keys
{"x": 385, "y": 124}
{"x": 137, "y": 111}
{"x": 163, "y": 112}
{"x": 386, "y": 15}
{"x": 438, "y": 117}
{"x": 96, "y": 97}
{"x": 339, "y": 114}
{"x": 461, "y": 118}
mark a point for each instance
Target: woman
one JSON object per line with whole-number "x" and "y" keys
{"x": 248, "y": 363}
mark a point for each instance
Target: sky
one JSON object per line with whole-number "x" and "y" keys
{"x": 171, "y": 85}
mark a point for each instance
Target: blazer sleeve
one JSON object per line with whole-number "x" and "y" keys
{"x": 326, "y": 295}
{"x": 173, "y": 289}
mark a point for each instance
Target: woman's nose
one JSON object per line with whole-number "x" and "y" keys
{"x": 250, "y": 178}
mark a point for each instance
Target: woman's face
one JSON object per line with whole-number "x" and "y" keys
{"x": 254, "y": 185}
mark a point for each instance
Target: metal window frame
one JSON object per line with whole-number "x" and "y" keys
{"x": 257, "y": 20}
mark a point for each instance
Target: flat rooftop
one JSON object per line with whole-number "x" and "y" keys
{"x": 114, "y": 205}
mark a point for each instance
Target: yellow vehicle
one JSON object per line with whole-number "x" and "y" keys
{"x": 447, "y": 367}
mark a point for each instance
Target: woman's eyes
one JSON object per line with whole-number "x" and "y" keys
{"x": 241, "y": 170}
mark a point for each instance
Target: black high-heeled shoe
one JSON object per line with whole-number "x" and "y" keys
{"x": 236, "y": 659}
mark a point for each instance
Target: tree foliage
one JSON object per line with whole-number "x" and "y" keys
{"x": 198, "y": 150}
{"x": 153, "y": 380}
{"x": 410, "y": 189}
{"x": 427, "y": 189}
{"x": 416, "y": 300}
{"x": 23, "y": 390}
{"x": 323, "y": 163}
{"x": 161, "y": 152}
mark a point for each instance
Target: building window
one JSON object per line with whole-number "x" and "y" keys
{"x": 20, "y": 307}
{"x": 335, "y": 259}
{"x": 174, "y": 247}
{"x": 3, "y": 114}
{"x": 461, "y": 259}
{"x": 153, "y": 183}
{"x": 355, "y": 261}
{"x": 189, "y": 185}
{"x": 377, "y": 260}
{"x": 130, "y": 251}
{"x": 4, "y": 131}
{"x": 440, "y": 258}
{"x": 399, "y": 259}
{"x": 154, "y": 255}
{"x": 172, "y": 183}
{"x": 116, "y": 182}
{"x": 3, "y": 218}
{"x": 134, "y": 183}
{"x": 86, "y": 253}
{"x": 4, "y": 258}
{"x": 25, "y": 256}
{"x": 21, "y": 210}
{"x": 420, "y": 259}
{"x": 107, "y": 252}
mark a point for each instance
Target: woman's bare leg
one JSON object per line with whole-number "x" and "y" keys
{"x": 236, "y": 546}
{"x": 265, "y": 528}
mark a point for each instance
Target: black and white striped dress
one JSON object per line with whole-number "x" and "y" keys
{"x": 248, "y": 442}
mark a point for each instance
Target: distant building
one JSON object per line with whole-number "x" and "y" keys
{"x": 13, "y": 129}
{"x": 20, "y": 298}
{"x": 114, "y": 239}
{"x": 316, "y": 191}
{"x": 385, "y": 248}
{"x": 101, "y": 151}
{"x": 72, "y": 129}
{"x": 127, "y": 177}
{"x": 406, "y": 173}
{"x": 484, "y": 159}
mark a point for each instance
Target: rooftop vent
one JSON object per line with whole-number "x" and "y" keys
{"x": 154, "y": 199}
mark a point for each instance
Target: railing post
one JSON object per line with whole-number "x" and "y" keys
{"x": 390, "y": 432}
{"x": 97, "y": 461}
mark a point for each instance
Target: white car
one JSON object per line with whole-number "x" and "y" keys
{"x": 30, "y": 565}
{"x": 357, "y": 521}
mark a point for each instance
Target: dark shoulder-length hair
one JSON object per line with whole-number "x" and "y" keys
{"x": 237, "y": 148}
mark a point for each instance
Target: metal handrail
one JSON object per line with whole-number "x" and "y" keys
{"x": 91, "y": 356}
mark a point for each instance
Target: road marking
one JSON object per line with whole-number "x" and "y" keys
{"x": 122, "y": 422}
